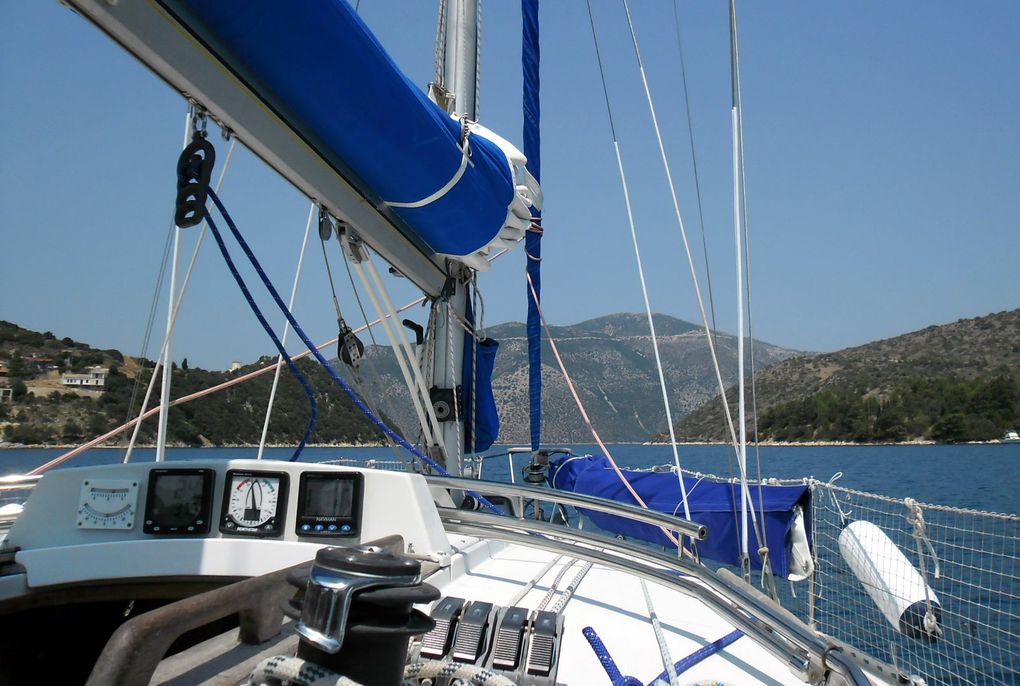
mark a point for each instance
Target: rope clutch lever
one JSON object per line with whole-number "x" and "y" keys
{"x": 194, "y": 172}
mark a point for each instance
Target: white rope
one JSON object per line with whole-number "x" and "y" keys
{"x": 687, "y": 249}
{"x": 388, "y": 327}
{"x": 465, "y": 150}
{"x": 568, "y": 593}
{"x": 651, "y": 330}
{"x": 447, "y": 671}
{"x": 534, "y": 580}
{"x": 286, "y": 331}
{"x": 551, "y": 591}
{"x": 667, "y": 660}
{"x": 295, "y": 671}
{"x": 176, "y": 310}
{"x": 587, "y": 420}
{"x": 172, "y": 300}
{"x": 405, "y": 344}
{"x": 641, "y": 275}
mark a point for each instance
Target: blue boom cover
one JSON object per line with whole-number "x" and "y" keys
{"x": 319, "y": 68}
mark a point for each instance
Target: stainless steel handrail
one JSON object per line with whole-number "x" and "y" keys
{"x": 784, "y": 635}
{"x": 684, "y": 526}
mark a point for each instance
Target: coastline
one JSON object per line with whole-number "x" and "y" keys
{"x": 763, "y": 444}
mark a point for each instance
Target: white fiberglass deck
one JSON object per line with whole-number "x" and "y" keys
{"x": 613, "y": 604}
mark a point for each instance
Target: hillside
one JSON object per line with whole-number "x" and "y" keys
{"x": 955, "y": 382}
{"x": 609, "y": 358}
{"x": 611, "y": 362}
{"x": 44, "y": 411}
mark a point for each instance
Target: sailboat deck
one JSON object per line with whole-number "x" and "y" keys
{"x": 612, "y": 603}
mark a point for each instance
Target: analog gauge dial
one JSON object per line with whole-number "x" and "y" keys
{"x": 107, "y": 504}
{"x": 253, "y": 503}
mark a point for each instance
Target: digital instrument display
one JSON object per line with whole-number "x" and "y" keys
{"x": 254, "y": 503}
{"x": 329, "y": 504}
{"x": 179, "y": 501}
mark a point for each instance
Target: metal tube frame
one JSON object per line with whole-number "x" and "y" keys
{"x": 686, "y": 527}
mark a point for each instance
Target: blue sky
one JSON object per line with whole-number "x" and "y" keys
{"x": 883, "y": 168}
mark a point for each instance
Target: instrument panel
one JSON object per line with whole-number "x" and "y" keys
{"x": 254, "y": 503}
{"x": 329, "y": 504}
{"x": 179, "y": 502}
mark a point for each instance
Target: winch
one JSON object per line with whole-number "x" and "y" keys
{"x": 355, "y": 614}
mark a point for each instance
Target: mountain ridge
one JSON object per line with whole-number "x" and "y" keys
{"x": 969, "y": 369}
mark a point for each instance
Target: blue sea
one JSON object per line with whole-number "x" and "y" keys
{"x": 983, "y": 477}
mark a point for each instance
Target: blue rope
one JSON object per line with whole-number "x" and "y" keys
{"x": 612, "y": 671}
{"x": 703, "y": 652}
{"x": 618, "y": 679}
{"x": 397, "y": 438}
{"x": 269, "y": 330}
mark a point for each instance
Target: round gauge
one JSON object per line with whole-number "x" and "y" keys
{"x": 107, "y": 504}
{"x": 253, "y": 503}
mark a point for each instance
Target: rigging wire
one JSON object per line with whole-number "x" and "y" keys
{"x": 694, "y": 164}
{"x": 173, "y": 317}
{"x": 286, "y": 331}
{"x": 370, "y": 361}
{"x": 747, "y": 276}
{"x": 258, "y": 314}
{"x": 153, "y": 306}
{"x": 355, "y": 398}
{"x": 690, "y": 259}
{"x": 75, "y": 452}
{"x": 146, "y": 414}
{"x": 587, "y": 420}
{"x": 344, "y": 329}
{"x": 641, "y": 276}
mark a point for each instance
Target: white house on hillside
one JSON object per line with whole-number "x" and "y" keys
{"x": 94, "y": 378}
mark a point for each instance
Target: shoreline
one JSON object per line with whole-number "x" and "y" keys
{"x": 763, "y": 444}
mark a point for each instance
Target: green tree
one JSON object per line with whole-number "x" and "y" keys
{"x": 18, "y": 389}
{"x": 71, "y": 431}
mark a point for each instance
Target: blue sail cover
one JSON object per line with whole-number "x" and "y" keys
{"x": 316, "y": 64}
{"x": 712, "y": 503}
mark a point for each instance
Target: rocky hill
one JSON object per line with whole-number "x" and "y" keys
{"x": 609, "y": 358}
{"x": 611, "y": 362}
{"x": 43, "y": 410}
{"x": 959, "y": 381}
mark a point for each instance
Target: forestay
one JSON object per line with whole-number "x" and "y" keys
{"x": 452, "y": 186}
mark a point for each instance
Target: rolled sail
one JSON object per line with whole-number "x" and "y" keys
{"x": 454, "y": 188}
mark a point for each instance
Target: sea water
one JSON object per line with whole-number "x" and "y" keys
{"x": 982, "y": 477}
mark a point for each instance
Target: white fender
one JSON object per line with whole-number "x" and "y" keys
{"x": 897, "y": 588}
{"x": 802, "y": 565}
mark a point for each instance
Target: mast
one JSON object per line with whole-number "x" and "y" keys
{"x": 460, "y": 67}
{"x": 738, "y": 233}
